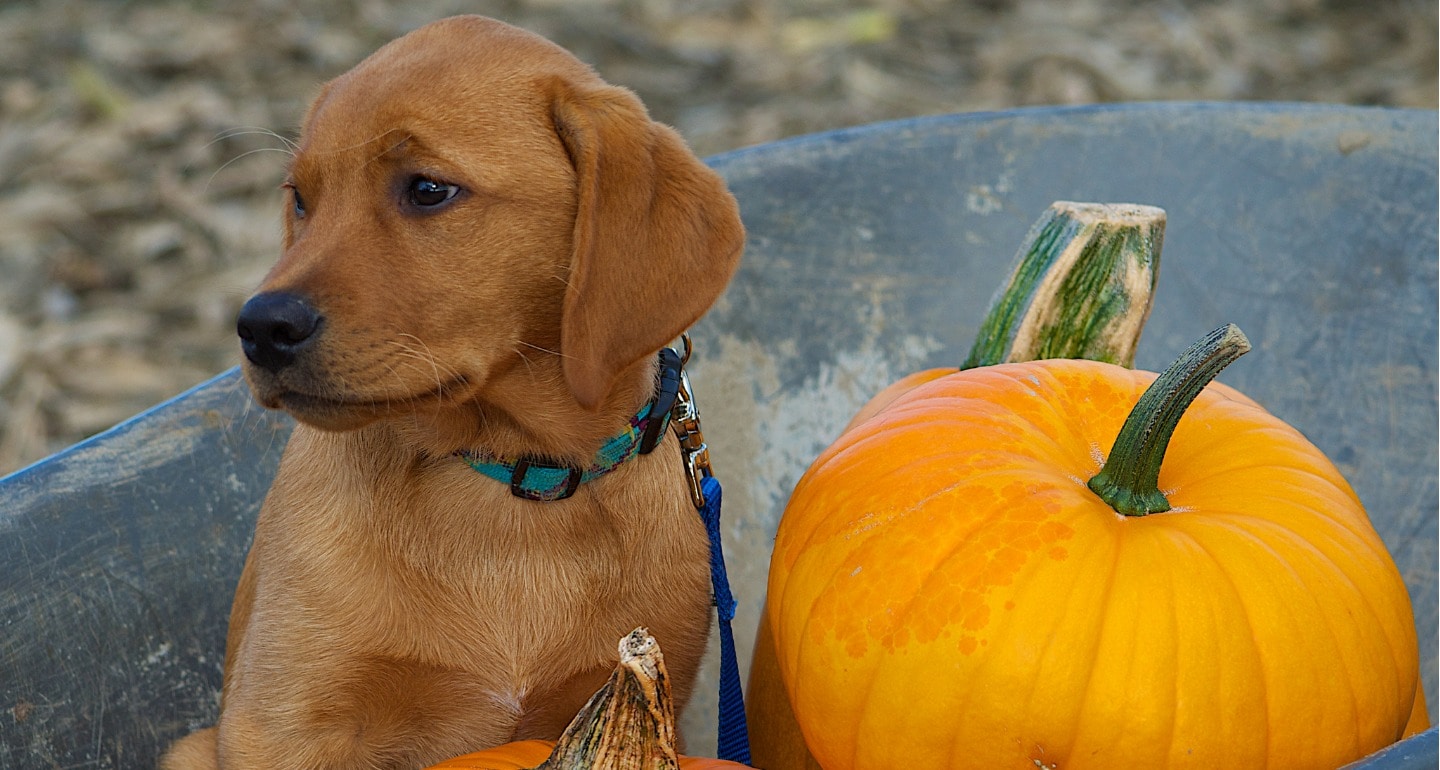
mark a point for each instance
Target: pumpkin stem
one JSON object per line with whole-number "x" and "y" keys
{"x": 629, "y": 724}
{"x": 1129, "y": 481}
{"x": 1081, "y": 287}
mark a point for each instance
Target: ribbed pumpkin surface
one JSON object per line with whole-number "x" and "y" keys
{"x": 946, "y": 591}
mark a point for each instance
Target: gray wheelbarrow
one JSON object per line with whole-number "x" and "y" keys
{"x": 873, "y": 252}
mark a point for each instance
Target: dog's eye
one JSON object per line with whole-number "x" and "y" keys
{"x": 297, "y": 202}
{"x": 428, "y": 193}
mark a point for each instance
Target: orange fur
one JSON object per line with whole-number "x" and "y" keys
{"x": 398, "y": 608}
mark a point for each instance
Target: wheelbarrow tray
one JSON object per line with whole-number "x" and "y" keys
{"x": 872, "y": 252}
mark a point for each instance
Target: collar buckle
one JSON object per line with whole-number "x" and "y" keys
{"x": 670, "y": 376}
{"x": 552, "y": 491}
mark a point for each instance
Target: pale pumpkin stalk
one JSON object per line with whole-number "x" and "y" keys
{"x": 1130, "y": 478}
{"x": 1082, "y": 287}
{"x": 629, "y": 724}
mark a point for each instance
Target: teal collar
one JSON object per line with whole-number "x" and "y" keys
{"x": 539, "y": 479}
{"x": 546, "y": 481}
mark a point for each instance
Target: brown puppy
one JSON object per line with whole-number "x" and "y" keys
{"x": 485, "y": 245}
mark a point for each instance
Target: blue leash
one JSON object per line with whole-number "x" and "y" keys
{"x": 734, "y": 734}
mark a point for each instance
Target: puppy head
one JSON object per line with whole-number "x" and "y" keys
{"x": 472, "y": 214}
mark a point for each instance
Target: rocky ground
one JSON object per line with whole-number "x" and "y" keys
{"x": 141, "y": 143}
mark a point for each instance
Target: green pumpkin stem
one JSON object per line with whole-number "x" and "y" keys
{"x": 1129, "y": 482}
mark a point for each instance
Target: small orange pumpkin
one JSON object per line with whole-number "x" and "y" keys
{"x": 523, "y": 755}
{"x": 948, "y": 591}
{"x": 520, "y": 755}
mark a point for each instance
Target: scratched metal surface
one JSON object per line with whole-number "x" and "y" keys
{"x": 873, "y": 252}
{"x": 117, "y": 560}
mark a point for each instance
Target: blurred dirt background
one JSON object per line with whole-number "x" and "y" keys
{"x": 141, "y": 142}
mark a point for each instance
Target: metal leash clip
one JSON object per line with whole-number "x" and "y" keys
{"x": 685, "y": 422}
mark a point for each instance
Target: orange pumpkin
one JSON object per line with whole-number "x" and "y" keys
{"x": 511, "y": 756}
{"x": 948, "y": 591}
{"x": 1081, "y": 287}
{"x": 522, "y": 755}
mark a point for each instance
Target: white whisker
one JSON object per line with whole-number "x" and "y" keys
{"x": 419, "y": 358}
{"x": 541, "y": 349}
{"x": 529, "y": 366}
{"x": 289, "y": 144}
{"x": 427, "y": 356}
{"x": 241, "y": 157}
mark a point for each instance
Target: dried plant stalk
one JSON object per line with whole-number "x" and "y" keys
{"x": 629, "y": 724}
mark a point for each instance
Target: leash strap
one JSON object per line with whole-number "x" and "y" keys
{"x": 733, "y": 732}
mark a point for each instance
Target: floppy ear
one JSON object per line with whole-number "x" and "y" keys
{"x": 657, "y": 236}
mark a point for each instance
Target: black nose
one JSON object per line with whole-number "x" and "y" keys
{"x": 274, "y": 327}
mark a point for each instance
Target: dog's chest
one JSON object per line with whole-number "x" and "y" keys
{"x": 469, "y": 572}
